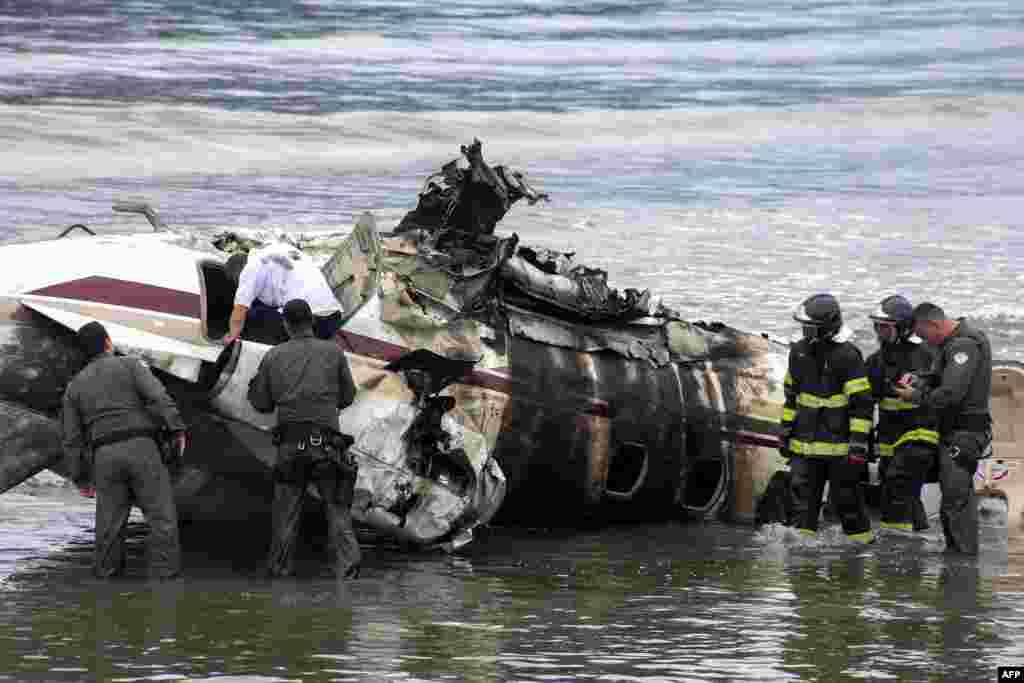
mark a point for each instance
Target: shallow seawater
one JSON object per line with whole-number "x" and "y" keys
{"x": 661, "y": 602}
{"x": 733, "y": 158}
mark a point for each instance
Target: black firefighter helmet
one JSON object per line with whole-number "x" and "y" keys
{"x": 896, "y": 311}
{"x": 820, "y": 317}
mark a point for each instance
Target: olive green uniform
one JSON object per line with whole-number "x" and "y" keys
{"x": 113, "y": 409}
{"x": 308, "y": 380}
{"x": 958, "y": 388}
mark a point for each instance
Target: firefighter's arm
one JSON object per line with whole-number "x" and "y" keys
{"x": 790, "y": 390}
{"x": 858, "y": 393}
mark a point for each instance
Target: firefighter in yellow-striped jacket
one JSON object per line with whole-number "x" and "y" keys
{"x": 906, "y": 436}
{"x": 826, "y": 420}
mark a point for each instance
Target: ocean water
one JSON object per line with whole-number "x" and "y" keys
{"x": 733, "y": 157}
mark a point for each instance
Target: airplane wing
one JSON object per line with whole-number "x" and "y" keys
{"x": 174, "y": 356}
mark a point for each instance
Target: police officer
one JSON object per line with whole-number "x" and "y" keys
{"x": 826, "y": 420}
{"x": 906, "y": 436}
{"x": 269, "y": 277}
{"x": 113, "y": 408}
{"x": 957, "y": 388}
{"x": 308, "y": 380}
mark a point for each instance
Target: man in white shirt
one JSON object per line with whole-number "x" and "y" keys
{"x": 267, "y": 279}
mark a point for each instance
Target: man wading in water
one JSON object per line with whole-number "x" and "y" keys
{"x": 308, "y": 380}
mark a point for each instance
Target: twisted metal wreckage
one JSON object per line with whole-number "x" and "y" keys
{"x": 598, "y": 404}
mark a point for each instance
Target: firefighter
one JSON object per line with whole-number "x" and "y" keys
{"x": 957, "y": 389}
{"x": 906, "y": 436}
{"x": 308, "y": 380}
{"x": 826, "y": 420}
{"x": 112, "y": 413}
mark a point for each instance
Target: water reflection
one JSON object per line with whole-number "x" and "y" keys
{"x": 645, "y": 603}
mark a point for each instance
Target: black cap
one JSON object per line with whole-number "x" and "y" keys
{"x": 92, "y": 338}
{"x": 297, "y": 313}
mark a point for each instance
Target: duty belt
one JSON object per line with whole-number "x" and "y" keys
{"x": 119, "y": 436}
{"x": 303, "y": 433}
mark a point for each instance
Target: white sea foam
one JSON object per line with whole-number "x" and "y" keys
{"x": 75, "y": 140}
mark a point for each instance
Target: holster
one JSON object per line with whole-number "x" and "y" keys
{"x": 170, "y": 455}
{"x": 968, "y": 447}
{"x": 312, "y": 452}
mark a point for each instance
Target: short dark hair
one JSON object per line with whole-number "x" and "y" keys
{"x": 92, "y": 338}
{"x": 298, "y": 314}
{"x": 928, "y": 311}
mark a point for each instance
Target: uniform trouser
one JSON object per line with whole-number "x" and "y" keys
{"x": 808, "y": 483}
{"x": 336, "y": 489}
{"x": 126, "y": 473}
{"x": 326, "y": 326}
{"x": 264, "y": 324}
{"x": 904, "y": 473}
{"x": 958, "y": 460}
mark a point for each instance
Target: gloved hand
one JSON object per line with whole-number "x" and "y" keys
{"x": 172, "y": 448}
{"x": 858, "y": 454}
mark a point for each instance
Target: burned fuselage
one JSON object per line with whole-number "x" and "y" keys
{"x": 598, "y": 404}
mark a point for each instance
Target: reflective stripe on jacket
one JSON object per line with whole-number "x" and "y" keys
{"x": 900, "y": 421}
{"x": 828, "y": 399}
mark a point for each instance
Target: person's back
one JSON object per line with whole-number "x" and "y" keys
{"x": 113, "y": 409}
{"x": 308, "y": 380}
{"x": 107, "y": 391}
{"x": 267, "y": 279}
{"x": 307, "y": 282}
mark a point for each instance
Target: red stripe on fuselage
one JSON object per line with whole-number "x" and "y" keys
{"x": 108, "y": 290}
{"x": 386, "y": 351}
{"x": 495, "y": 379}
{"x": 112, "y": 291}
{"x": 747, "y": 438}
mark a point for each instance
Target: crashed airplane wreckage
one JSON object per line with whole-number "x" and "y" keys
{"x": 599, "y": 405}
